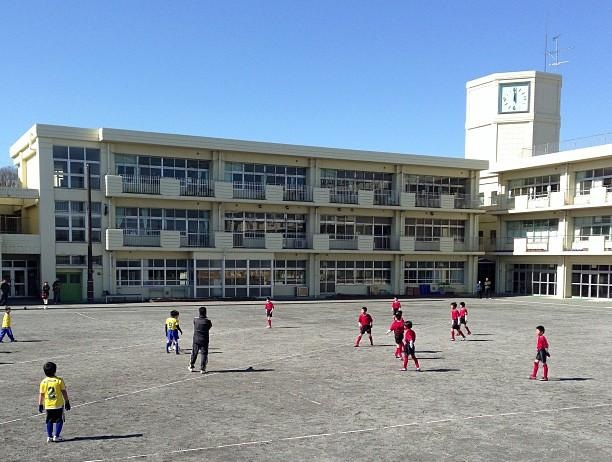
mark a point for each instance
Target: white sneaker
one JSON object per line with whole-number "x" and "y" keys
{"x": 190, "y": 368}
{"x": 49, "y": 439}
{"x": 418, "y": 369}
{"x": 203, "y": 371}
{"x": 57, "y": 439}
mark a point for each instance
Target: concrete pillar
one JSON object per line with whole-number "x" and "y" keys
{"x": 217, "y": 170}
{"x": 46, "y": 210}
{"x": 397, "y": 272}
{"x": 314, "y": 288}
{"x": 471, "y": 273}
{"x": 564, "y": 279}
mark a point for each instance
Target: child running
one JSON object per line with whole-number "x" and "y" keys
{"x": 53, "y": 398}
{"x": 455, "y": 326}
{"x": 365, "y": 326}
{"x": 172, "y": 329}
{"x": 397, "y": 327}
{"x": 409, "y": 352}
{"x": 541, "y": 355}
{"x": 463, "y": 313}
{"x": 6, "y": 325}
{"x": 395, "y": 305}
{"x": 269, "y": 310}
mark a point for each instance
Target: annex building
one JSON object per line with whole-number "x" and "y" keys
{"x": 176, "y": 216}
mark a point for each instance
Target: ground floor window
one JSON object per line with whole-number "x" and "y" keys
{"x": 592, "y": 281}
{"x": 434, "y": 272}
{"x": 289, "y": 272}
{"x": 233, "y": 278}
{"x": 532, "y": 279}
{"x": 154, "y": 272}
{"x": 22, "y": 275}
{"x": 353, "y": 272}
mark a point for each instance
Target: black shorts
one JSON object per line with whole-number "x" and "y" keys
{"x": 462, "y": 320}
{"x": 395, "y": 310}
{"x": 399, "y": 339}
{"x": 55, "y": 415}
{"x": 269, "y": 313}
{"x": 456, "y": 324}
{"x": 408, "y": 350}
{"x": 541, "y": 356}
{"x": 366, "y": 330}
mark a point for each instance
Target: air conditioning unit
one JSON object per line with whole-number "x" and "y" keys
{"x": 301, "y": 291}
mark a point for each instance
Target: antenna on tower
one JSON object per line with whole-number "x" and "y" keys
{"x": 555, "y": 54}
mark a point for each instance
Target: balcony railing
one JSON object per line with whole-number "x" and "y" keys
{"x": 294, "y": 242}
{"x": 466, "y": 201}
{"x": 385, "y": 198}
{"x": 141, "y": 238}
{"x": 249, "y": 190}
{"x": 137, "y": 184}
{"x": 342, "y": 242}
{"x": 382, "y": 242}
{"x": 249, "y": 240}
{"x": 11, "y": 224}
{"x": 427, "y": 200}
{"x": 195, "y": 240}
{"x": 343, "y": 196}
{"x": 196, "y": 188}
{"x": 298, "y": 194}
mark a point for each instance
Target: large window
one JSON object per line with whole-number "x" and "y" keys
{"x": 154, "y": 272}
{"x": 434, "y": 272}
{"x": 71, "y": 221}
{"x": 355, "y": 180}
{"x": 592, "y": 281}
{"x": 280, "y": 175}
{"x": 353, "y": 272}
{"x": 537, "y": 186}
{"x": 248, "y": 278}
{"x": 168, "y": 167}
{"x": 432, "y": 229}
{"x": 533, "y": 230}
{"x": 248, "y": 227}
{"x": 69, "y": 167}
{"x": 587, "y": 179}
{"x": 209, "y": 278}
{"x": 592, "y": 226}
{"x": 429, "y": 188}
{"x": 347, "y": 227}
{"x": 532, "y": 279}
{"x": 290, "y": 272}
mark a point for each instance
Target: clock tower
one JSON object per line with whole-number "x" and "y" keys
{"x": 513, "y": 115}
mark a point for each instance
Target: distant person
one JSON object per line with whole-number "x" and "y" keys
{"x": 201, "y": 329}
{"x": 44, "y": 294}
{"x": 7, "y": 322}
{"x": 487, "y": 288}
{"x": 463, "y": 314}
{"x": 269, "y": 309}
{"x": 541, "y": 355}
{"x": 409, "y": 351}
{"x": 455, "y": 326}
{"x": 53, "y": 397}
{"x": 5, "y": 288}
{"x": 172, "y": 329}
{"x": 397, "y": 327}
{"x": 57, "y": 288}
{"x": 365, "y": 326}
{"x": 479, "y": 289}
{"x": 396, "y": 305}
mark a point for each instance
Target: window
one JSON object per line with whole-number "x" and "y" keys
{"x": 432, "y": 229}
{"x": 290, "y": 272}
{"x": 592, "y": 226}
{"x": 345, "y": 184}
{"x": 429, "y": 188}
{"x": 532, "y": 279}
{"x": 353, "y": 272}
{"x": 587, "y": 179}
{"x": 280, "y": 175}
{"x": 534, "y": 187}
{"x": 69, "y": 166}
{"x": 254, "y": 225}
{"x": 71, "y": 221}
{"x": 190, "y": 170}
{"x": 533, "y": 230}
{"x": 592, "y": 281}
{"x": 154, "y": 272}
{"x": 434, "y": 272}
{"x": 129, "y": 273}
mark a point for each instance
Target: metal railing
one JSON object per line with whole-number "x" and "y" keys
{"x": 294, "y": 242}
{"x": 385, "y": 198}
{"x": 195, "y": 240}
{"x": 466, "y": 201}
{"x": 137, "y": 184}
{"x": 249, "y": 190}
{"x": 576, "y": 143}
{"x": 298, "y": 194}
{"x": 382, "y": 242}
{"x": 11, "y": 224}
{"x": 141, "y": 238}
{"x": 196, "y": 188}
{"x": 343, "y": 196}
{"x": 342, "y": 242}
{"x": 427, "y": 200}
{"x": 249, "y": 240}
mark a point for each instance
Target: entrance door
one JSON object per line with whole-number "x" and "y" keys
{"x": 18, "y": 281}
{"x": 71, "y": 289}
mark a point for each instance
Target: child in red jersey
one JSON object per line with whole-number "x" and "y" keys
{"x": 365, "y": 326}
{"x": 395, "y": 305}
{"x": 541, "y": 355}
{"x": 397, "y": 327}
{"x": 269, "y": 310}
{"x": 409, "y": 339}
{"x": 455, "y": 322}
{"x": 463, "y": 313}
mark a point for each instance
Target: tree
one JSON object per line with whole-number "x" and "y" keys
{"x": 9, "y": 177}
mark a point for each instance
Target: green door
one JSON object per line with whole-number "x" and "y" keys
{"x": 71, "y": 289}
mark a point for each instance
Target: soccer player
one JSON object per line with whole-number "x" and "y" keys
{"x": 6, "y": 325}
{"x": 269, "y": 310}
{"x": 409, "y": 339}
{"x": 397, "y": 327}
{"x": 395, "y": 305}
{"x": 541, "y": 355}
{"x": 172, "y": 329}
{"x": 365, "y": 326}
{"x": 201, "y": 328}
{"x": 53, "y": 398}
{"x": 455, "y": 326}
{"x": 463, "y": 313}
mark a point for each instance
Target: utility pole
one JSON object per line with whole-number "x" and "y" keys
{"x": 90, "y": 283}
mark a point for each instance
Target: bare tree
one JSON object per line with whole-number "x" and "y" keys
{"x": 9, "y": 177}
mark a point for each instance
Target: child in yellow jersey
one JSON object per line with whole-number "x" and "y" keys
{"x": 172, "y": 331}
{"x": 6, "y": 325}
{"x": 54, "y": 399}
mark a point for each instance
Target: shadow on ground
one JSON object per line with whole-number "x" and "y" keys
{"x": 103, "y": 437}
{"x": 248, "y": 369}
{"x": 442, "y": 370}
{"x": 571, "y": 379}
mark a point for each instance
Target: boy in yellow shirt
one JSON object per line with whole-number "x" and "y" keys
{"x": 6, "y": 325}
{"x": 53, "y": 398}
{"x": 172, "y": 329}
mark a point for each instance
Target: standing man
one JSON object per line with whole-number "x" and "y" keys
{"x": 487, "y": 288}
{"x": 5, "y": 288}
{"x": 201, "y": 327}
{"x": 479, "y": 289}
{"x": 56, "y": 292}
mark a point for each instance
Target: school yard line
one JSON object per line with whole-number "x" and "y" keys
{"x": 85, "y": 316}
{"x": 350, "y": 432}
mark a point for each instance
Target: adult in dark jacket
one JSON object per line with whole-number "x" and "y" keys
{"x": 201, "y": 327}
{"x": 5, "y": 288}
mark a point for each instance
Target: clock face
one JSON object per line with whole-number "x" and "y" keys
{"x": 514, "y": 97}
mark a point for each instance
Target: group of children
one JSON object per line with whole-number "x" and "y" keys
{"x": 53, "y": 396}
